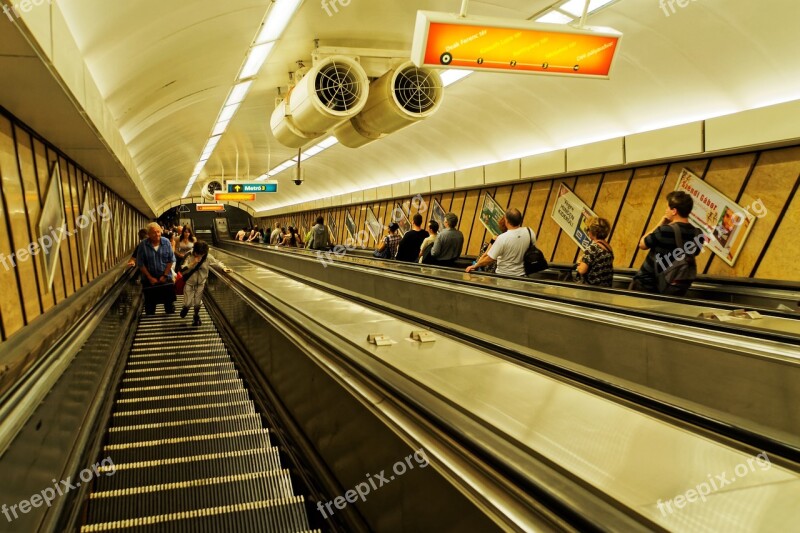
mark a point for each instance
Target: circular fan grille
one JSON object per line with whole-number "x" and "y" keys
{"x": 416, "y": 89}
{"x": 338, "y": 87}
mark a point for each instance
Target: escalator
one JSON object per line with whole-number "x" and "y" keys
{"x": 185, "y": 449}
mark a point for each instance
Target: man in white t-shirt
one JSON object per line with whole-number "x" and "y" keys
{"x": 509, "y": 248}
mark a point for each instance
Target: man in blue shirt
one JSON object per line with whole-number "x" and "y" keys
{"x": 155, "y": 258}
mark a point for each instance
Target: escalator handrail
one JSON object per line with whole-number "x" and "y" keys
{"x": 639, "y": 313}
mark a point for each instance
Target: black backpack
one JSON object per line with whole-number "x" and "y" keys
{"x": 681, "y": 272}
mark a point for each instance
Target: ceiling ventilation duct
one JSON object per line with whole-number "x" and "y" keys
{"x": 333, "y": 90}
{"x": 404, "y": 95}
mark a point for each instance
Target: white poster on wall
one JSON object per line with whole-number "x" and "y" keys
{"x": 570, "y": 213}
{"x": 725, "y": 224}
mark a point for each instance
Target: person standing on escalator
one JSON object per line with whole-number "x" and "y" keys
{"x": 675, "y": 242}
{"x": 155, "y": 259}
{"x": 195, "y": 272}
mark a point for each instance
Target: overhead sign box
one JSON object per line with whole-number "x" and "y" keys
{"x": 234, "y": 197}
{"x": 244, "y": 186}
{"x": 444, "y": 40}
{"x": 209, "y": 207}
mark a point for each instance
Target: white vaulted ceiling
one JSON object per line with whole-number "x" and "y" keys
{"x": 165, "y": 67}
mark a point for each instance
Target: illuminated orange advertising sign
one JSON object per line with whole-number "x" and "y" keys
{"x": 442, "y": 40}
{"x": 234, "y": 197}
{"x": 209, "y": 207}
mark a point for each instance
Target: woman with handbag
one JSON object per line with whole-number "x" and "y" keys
{"x": 597, "y": 264}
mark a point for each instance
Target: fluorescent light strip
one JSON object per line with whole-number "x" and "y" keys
{"x": 228, "y": 112}
{"x": 555, "y": 17}
{"x": 449, "y": 77}
{"x": 575, "y": 7}
{"x": 308, "y": 154}
{"x": 258, "y": 54}
{"x": 238, "y": 93}
{"x": 280, "y": 13}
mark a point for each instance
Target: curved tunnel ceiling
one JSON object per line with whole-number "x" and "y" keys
{"x": 165, "y": 69}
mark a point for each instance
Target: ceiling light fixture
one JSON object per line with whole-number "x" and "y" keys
{"x": 308, "y": 154}
{"x": 278, "y": 16}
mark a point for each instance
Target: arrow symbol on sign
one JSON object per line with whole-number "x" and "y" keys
{"x": 238, "y": 188}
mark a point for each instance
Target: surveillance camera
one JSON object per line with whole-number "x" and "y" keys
{"x": 299, "y": 176}
{"x": 298, "y": 181}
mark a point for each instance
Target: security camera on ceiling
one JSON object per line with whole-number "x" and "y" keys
{"x": 299, "y": 175}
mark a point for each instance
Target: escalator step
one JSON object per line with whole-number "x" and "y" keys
{"x": 161, "y": 335}
{"x": 280, "y": 515}
{"x": 174, "y": 470}
{"x": 184, "y": 428}
{"x": 145, "y": 381}
{"x": 168, "y": 361}
{"x": 192, "y": 350}
{"x": 180, "y": 388}
{"x": 220, "y": 360}
{"x": 188, "y": 496}
{"x": 166, "y": 401}
{"x": 171, "y": 447}
{"x": 176, "y": 343}
{"x": 175, "y": 413}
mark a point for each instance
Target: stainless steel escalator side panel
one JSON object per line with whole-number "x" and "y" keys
{"x": 753, "y": 381}
{"x": 636, "y": 459}
{"x": 352, "y": 441}
{"x": 61, "y": 425}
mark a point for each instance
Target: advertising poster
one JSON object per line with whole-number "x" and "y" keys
{"x": 350, "y": 224}
{"x": 51, "y": 224}
{"x": 725, "y": 224}
{"x": 399, "y": 216}
{"x": 374, "y": 227}
{"x": 437, "y": 213}
{"x": 332, "y": 227}
{"x": 570, "y": 213}
{"x": 491, "y": 213}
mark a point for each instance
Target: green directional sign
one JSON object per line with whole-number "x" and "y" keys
{"x": 253, "y": 187}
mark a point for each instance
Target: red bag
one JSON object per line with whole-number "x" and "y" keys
{"x": 179, "y": 283}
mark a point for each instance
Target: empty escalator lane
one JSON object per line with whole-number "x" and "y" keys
{"x": 186, "y": 449}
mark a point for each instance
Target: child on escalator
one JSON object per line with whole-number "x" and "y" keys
{"x": 195, "y": 275}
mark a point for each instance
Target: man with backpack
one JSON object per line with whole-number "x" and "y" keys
{"x": 317, "y": 237}
{"x": 673, "y": 245}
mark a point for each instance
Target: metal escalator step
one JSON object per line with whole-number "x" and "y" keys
{"x": 177, "y": 469}
{"x": 214, "y": 343}
{"x": 180, "y": 388}
{"x": 176, "y": 360}
{"x": 170, "y": 447}
{"x": 181, "y": 372}
{"x": 171, "y": 367}
{"x": 166, "y": 401}
{"x": 279, "y": 515}
{"x": 168, "y": 334}
{"x": 144, "y": 381}
{"x": 172, "y": 341}
{"x": 183, "y": 428}
{"x": 173, "y": 498}
{"x": 191, "y": 350}
{"x": 175, "y": 413}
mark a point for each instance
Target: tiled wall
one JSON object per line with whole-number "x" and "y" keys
{"x": 633, "y": 201}
{"x": 26, "y": 164}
